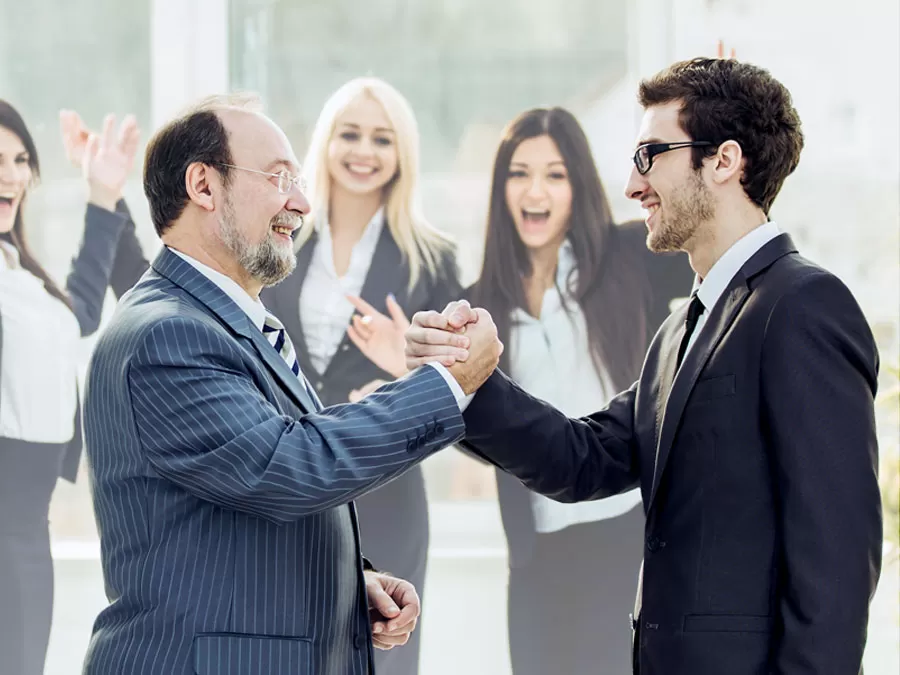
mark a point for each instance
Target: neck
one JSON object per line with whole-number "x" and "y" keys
{"x": 349, "y": 213}
{"x": 543, "y": 264}
{"x": 714, "y": 238}
{"x": 214, "y": 255}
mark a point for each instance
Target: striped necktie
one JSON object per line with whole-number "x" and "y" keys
{"x": 277, "y": 336}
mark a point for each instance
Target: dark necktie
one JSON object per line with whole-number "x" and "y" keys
{"x": 274, "y": 331}
{"x": 695, "y": 309}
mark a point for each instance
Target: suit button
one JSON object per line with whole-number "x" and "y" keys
{"x": 411, "y": 445}
{"x": 653, "y": 544}
{"x": 421, "y": 441}
{"x": 344, "y": 348}
{"x": 359, "y": 641}
{"x": 439, "y": 428}
{"x": 429, "y": 436}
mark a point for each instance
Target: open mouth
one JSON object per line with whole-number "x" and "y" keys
{"x": 7, "y": 202}
{"x": 283, "y": 231}
{"x": 535, "y": 216}
{"x": 360, "y": 170}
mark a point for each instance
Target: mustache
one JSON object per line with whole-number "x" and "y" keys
{"x": 288, "y": 219}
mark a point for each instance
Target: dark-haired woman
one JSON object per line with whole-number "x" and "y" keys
{"x": 40, "y": 326}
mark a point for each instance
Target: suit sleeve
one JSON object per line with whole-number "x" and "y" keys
{"x": 205, "y": 425}
{"x": 130, "y": 263}
{"x": 569, "y": 460}
{"x": 89, "y": 275}
{"x": 819, "y": 370}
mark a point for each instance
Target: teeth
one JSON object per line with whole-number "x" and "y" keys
{"x": 361, "y": 168}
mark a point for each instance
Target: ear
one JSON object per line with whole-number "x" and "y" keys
{"x": 197, "y": 182}
{"x": 728, "y": 162}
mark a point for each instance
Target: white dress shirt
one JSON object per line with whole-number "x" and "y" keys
{"x": 324, "y": 309}
{"x": 550, "y": 358}
{"x": 722, "y": 272}
{"x": 38, "y": 375}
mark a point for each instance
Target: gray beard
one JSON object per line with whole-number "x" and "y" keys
{"x": 269, "y": 262}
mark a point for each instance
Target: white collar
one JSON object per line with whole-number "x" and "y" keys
{"x": 252, "y": 307}
{"x": 731, "y": 262}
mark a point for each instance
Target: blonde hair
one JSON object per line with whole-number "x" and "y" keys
{"x": 419, "y": 242}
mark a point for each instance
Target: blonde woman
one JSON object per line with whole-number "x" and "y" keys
{"x": 371, "y": 247}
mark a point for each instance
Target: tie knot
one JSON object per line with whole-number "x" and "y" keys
{"x": 272, "y": 324}
{"x": 695, "y": 309}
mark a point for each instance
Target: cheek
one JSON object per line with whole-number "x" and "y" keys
{"x": 389, "y": 161}
{"x": 562, "y": 205}
{"x": 514, "y": 192}
{"x": 336, "y": 151}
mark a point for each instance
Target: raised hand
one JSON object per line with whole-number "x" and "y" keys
{"x": 106, "y": 159}
{"x": 380, "y": 338}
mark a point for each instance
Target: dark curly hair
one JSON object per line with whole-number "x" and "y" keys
{"x": 724, "y": 99}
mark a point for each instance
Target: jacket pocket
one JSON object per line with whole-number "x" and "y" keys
{"x": 726, "y": 623}
{"x": 241, "y": 654}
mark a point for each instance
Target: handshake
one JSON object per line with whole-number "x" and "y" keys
{"x": 461, "y": 338}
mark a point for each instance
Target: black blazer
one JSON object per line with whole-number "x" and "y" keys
{"x": 349, "y": 369}
{"x": 668, "y": 276}
{"x": 91, "y": 273}
{"x": 758, "y": 469}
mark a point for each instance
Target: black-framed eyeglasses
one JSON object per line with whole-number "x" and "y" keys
{"x": 643, "y": 156}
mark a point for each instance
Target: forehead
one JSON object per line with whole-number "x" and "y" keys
{"x": 364, "y": 112}
{"x": 9, "y": 142}
{"x": 660, "y": 124}
{"x": 256, "y": 141}
{"x": 537, "y": 150}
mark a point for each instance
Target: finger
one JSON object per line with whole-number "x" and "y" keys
{"x": 460, "y": 313}
{"x": 125, "y": 128}
{"x": 382, "y": 602}
{"x": 357, "y": 339}
{"x": 363, "y": 327}
{"x": 408, "y": 615}
{"x": 107, "y": 134}
{"x": 91, "y": 149}
{"x": 396, "y": 312}
{"x": 391, "y": 640}
{"x": 430, "y": 319}
{"x": 413, "y": 362}
{"x": 432, "y": 336}
{"x": 362, "y": 306}
{"x": 436, "y": 353}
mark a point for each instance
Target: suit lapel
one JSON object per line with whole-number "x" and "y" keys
{"x": 719, "y": 320}
{"x": 387, "y": 274}
{"x": 186, "y": 276}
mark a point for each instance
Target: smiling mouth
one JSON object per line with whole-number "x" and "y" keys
{"x": 535, "y": 216}
{"x": 363, "y": 170}
{"x": 283, "y": 230}
{"x": 6, "y": 200}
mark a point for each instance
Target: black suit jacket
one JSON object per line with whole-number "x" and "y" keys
{"x": 758, "y": 468}
{"x": 667, "y": 276}
{"x": 389, "y": 273}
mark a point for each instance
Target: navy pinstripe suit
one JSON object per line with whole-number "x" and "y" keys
{"x": 224, "y": 501}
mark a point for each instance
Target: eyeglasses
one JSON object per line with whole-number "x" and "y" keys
{"x": 286, "y": 180}
{"x": 643, "y": 156}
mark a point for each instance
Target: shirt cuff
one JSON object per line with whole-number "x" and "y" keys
{"x": 462, "y": 400}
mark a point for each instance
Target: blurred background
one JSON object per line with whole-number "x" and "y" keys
{"x": 467, "y": 67}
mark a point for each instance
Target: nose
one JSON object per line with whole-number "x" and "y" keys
{"x": 637, "y": 185}
{"x": 297, "y": 202}
{"x": 536, "y": 188}
{"x": 8, "y": 173}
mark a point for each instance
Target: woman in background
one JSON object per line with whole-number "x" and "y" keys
{"x": 370, "y": 246}
{"x": 576, "y": 299}
{"x": 40, "y": 327}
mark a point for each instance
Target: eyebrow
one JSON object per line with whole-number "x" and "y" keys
{"x": 356, "y": 126}
{"x": 647, "y": 141}
{"x": 525, "y": 164}
{"x": 286, "y": 163}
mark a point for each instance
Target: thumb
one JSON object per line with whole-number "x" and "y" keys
{"x": 381, "y": 601}
{"x": 396, "y": 312}
{"x": 90, "y": 151}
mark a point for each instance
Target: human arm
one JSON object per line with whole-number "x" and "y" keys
{"x": 818, "y": 381}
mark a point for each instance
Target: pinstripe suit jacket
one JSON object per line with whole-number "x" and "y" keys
{"x": 224, "y": 500}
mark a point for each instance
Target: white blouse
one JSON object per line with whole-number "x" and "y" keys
{"x": 324, "y": 309}
{"x": 39, "y": 365}
{"x": 550, "y": 358}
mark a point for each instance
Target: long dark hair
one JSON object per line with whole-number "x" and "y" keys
{"x": 12, "y": 120}
{"x": 612, "y": 288}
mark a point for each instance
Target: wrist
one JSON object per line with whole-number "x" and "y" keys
{"x": 103, "y": 198}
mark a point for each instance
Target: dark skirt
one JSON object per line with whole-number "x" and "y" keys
{"x": 569, "y": 604}
{"x": 28, "y": 474}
